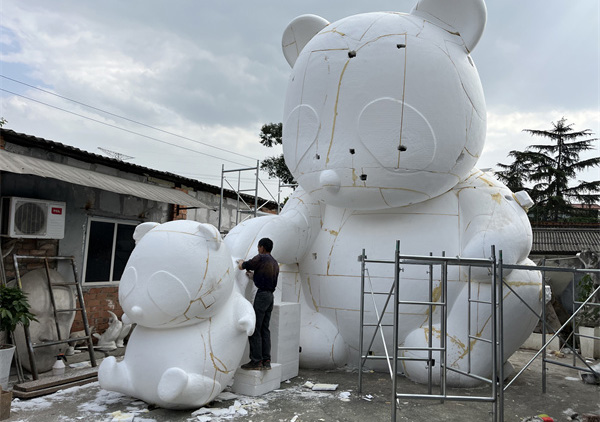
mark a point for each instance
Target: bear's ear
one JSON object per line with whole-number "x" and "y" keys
{"x": 298, "y": 33}
{"x": 211, "y": 234}
{"x": 466, "y": 16}
{"x": 142, "y": 229}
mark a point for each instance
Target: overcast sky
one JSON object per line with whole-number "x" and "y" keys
{"x": 213, "y": 73}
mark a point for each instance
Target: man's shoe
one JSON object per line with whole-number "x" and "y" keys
{"x": 266, "y": 364}
{"x": 252, "y": 366}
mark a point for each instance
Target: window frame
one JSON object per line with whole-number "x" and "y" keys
{"x": 115, "y": 222}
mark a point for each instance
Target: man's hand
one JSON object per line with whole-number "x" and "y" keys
{"x": 240, "y": 262}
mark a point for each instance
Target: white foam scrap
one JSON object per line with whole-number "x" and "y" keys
{"x": 325, "y": 387}
{"x": 91, "y": 407}
{"x": 308, "y": 384}
{"x": 572, "y": 379}
{"x": 119, "y": 416}
{"x": 237, "y": 408}
{"x": 344, "y": 396}
{"x": 226, "y": 395}
{"x": 294, "y": 418}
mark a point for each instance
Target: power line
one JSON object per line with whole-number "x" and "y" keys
{"x": 126, "y": 118}
{"x": 120, "y": 128}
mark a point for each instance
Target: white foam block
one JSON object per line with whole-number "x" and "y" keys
{"x": 289, "y": 370}
{"x": 285, "y": 332}
{"x": 256, "y": 383}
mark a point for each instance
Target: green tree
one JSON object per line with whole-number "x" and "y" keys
{"x": 551, "y": 169}
{"x": 2, "y": 121}
{"x": 270, "y": 135}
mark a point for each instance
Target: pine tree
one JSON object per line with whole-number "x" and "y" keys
{"x": 550, "y": 168}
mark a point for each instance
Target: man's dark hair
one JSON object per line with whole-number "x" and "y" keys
{"x": 266, "y": 243}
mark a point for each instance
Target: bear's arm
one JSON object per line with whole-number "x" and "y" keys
{"x": 292, "y": 231}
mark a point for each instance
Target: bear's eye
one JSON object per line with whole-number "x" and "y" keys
{"x": 352, "y": 151}
{"x": 399, "y": 46}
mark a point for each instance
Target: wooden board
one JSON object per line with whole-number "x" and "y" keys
{"x": 56, "y": 380}
{"x": 50, "y": 390}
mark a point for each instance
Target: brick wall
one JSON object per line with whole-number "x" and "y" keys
{"x": 28, "y": 247}
{"x": 98, "y": 301}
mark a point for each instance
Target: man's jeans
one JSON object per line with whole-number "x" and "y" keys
{"x": 260, "y": 341}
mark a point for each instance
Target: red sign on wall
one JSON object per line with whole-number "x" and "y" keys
{"x": 57, "y": 210}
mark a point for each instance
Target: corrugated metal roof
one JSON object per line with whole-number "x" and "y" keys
{"x": 67, "y": 150}
{"x": 565, "y": 240}
{"x": 22, "y": 164}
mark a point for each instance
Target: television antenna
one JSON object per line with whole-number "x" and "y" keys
{"x": 116, "y": 155}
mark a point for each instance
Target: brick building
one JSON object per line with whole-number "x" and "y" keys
{"x": 99, "y": 201}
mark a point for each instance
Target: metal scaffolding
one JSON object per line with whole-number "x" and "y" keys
{"x": 244, "y": 209}
{"x": 496, "y": 341}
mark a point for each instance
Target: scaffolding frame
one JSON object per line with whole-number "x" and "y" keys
{"x": 242, "y": 206}
{"x": 496, "y": 268}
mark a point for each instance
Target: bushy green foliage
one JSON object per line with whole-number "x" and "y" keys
{"x": 14, "y": 308}
{"x": 589, "y": 316}
{"x": 270, "y": 135}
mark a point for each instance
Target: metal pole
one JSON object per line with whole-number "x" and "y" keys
{"x": 500, "y": 283}
{"x": 86, "y": 325}
{"x": 279, "y": 196}
{"x": 221, "y": 197}
{"x": 494, "y": 310}
{"x": 444, "y": 327}
{"x": 362, "y": 321}
{"x": 544, "y": 332}
{"x": 256, "y": 190}
{"x": 237, "y": 206}
{"x": 395, "y": 334}
{"x": 430, "y": 336}
{"x": 52, "y": 300}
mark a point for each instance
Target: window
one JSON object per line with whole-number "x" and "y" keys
{"x": 108, "y": 246}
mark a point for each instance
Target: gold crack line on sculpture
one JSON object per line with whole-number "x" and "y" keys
{"x": 379, "y": 37}
{"x": 459, "y": 78}
{"x": 332, "y": 31}
{"x": 344, "y": 218}
{"x": 383, "y": 198}
{"x": 337, "y": 99}
{"x": 484, "y": 180}
{"x": 311, "y": 294}
{"x": 211, "y": 357}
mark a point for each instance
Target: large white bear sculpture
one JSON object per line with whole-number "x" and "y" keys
{"x": 384, "y": 121}
{"x": 192, "y": 322}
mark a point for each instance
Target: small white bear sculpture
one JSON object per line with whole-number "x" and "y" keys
{"x": 192, "y": 322}
{"x": 108, "y": 339}
{"x": 384, "y": 121}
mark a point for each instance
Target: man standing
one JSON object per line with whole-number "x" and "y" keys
{"x": 266, "y": 271}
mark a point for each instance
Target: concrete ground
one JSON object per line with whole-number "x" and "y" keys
{"x": 566, "y": 395}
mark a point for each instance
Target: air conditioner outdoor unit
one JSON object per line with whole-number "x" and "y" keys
{"x": 33, "y": 218}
